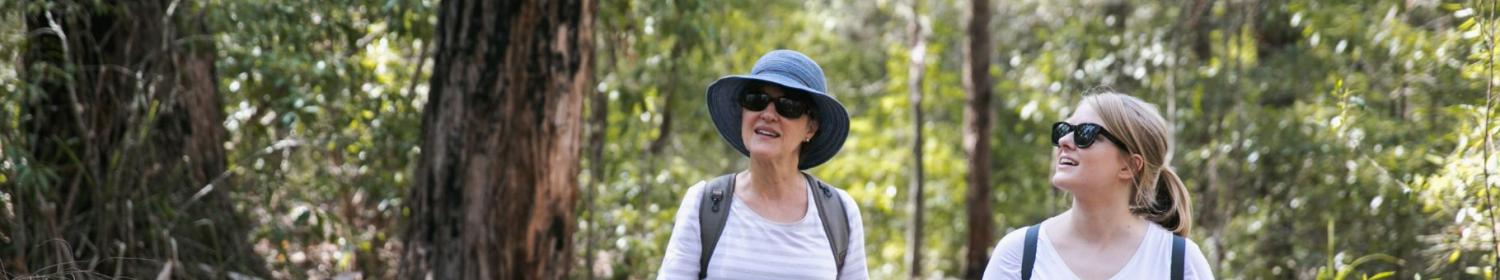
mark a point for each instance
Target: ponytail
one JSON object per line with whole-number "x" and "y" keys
{"x": 1173, "y": 208}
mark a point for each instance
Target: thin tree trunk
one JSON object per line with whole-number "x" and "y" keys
{"x": 1489, "y": 113}
{"x": 497, "y": 178}
{"x": 664, "y": 131}
{"x": 914, "y": 84}
{"x": 127, "y": 117}
{"x": 976, "y": 80}
{"x": 1197, "y": 28}
{"x": 599, "y": 119}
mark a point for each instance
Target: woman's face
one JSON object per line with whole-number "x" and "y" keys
{"x": 1080, "y": 169}
{"x": 771, "y": 136}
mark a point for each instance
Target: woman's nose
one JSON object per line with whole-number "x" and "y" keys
{"x": 769, "y": 113}
{"x": 1066, "y": 142}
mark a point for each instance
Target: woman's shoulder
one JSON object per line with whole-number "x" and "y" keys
{"x": 1197, "y": 262}
{"x": 851, "y": 206}
{"x": 1014, "y": 242}
{"x": 842, "y": 194}
{"x": 698, "y": 188}
{"x": 1193, "y": 256}
{"x": 694, "y": 193}
{"x": 692, "y": 196}
{"x": 1167, "y": 235}
{"x": 845, "y": 196}
{"x": 1005, "y": 258}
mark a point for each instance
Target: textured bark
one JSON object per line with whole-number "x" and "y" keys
{"x": 976, "y": 80}
{"x": 497, "y": 179}
{"x": 127, "y": 115}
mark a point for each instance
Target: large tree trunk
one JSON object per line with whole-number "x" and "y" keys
{"x": 497, "y": 177}
{"x": 126, "y": 118}
{"x": 976, "y": 79}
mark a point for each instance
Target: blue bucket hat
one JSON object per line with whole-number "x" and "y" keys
{"x": 791, "y": 70}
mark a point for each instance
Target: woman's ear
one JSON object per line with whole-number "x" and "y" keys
{"x": 1133, "y": 163}
{"x": 812, "y": 130}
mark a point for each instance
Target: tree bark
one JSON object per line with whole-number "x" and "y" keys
{"x": 976, "y": 80}
{"x": 497, "y": 178}
{"x": 914, "y": 85}
{"x": 126, "y": 118}
{"x": 599, "y": 127}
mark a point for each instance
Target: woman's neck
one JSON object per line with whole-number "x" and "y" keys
{"x": 1104, "y": 217}
{"x": 774, "y": 179}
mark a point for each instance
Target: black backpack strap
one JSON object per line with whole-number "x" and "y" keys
{"x": 1028, "y": 257}
{"x": 1179, "y": 245}
{"x": 835, "y": 219}
{"x": 713, "y": 214}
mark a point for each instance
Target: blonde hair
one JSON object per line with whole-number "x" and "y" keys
{"x": 1143, "y": 131}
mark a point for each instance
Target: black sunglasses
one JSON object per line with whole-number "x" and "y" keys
{"x": 1084, "y": 134}
{"x": 788, "y": 105}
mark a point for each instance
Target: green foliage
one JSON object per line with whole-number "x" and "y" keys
{"x": 1292, "y": 118}
{"x": 1299, "y": 116}
{"x": 322, "y": 101}
{"x": 1338, "y": 270}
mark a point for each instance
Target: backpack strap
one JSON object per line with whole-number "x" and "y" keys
{"x": 1179, "y": 245}
{"x": 713, "y": 214}
{"x": 835, "y": 219}
{"x": 1028, "y": 257}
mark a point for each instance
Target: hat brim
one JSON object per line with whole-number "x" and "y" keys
{"x": 833, "y": 119}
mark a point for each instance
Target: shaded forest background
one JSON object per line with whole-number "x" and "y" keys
{"x": 1320, "y": 139}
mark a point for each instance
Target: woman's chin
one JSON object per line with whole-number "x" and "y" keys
{"x": 763, "y": 152}
{"x": 1062, "y": 181}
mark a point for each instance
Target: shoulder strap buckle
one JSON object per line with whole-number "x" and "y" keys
{"x": 711, "y": 220}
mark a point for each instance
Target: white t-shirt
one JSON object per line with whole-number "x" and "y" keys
{"x": 1152, "y": 260}
{"x": 753, "y": 247}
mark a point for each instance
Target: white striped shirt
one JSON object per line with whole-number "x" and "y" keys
{"x": 753, "y": 247}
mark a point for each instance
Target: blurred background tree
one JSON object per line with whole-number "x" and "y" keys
{"x": 121, "y": 132}
{"x": 1321, "y": 139}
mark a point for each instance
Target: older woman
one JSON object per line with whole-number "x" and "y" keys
{"x": 771, "y": 221}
